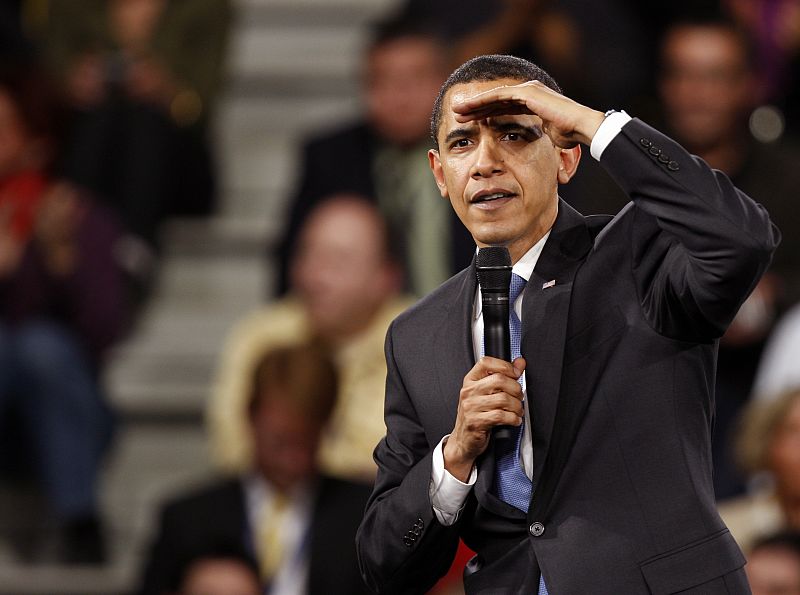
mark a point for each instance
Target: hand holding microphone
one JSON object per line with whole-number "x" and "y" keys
{"x": 491, "y": 396}
{"x": 493, "y": 268}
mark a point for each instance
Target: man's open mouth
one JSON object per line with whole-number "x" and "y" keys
{"x": 489, "y": 197}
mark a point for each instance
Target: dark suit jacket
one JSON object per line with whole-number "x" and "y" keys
{"x": 338, "y": 162}
{"x": 620, "y": 374}
{"x": 217, "y": 515}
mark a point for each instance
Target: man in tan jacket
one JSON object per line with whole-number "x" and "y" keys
{"x": 345, "y": 292}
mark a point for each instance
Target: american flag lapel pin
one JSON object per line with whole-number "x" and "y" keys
{"x": 547, "y": 284}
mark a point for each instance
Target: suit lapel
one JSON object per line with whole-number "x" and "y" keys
{"x": 452, "y": 343}
{"x": 545, "y": 310}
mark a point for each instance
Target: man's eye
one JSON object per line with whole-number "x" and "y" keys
{"x": 512, "y": 136}
{"x": 461, "y": 143}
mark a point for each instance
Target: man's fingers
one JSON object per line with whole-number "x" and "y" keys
{"x": 495, "y": 108}
{"x": 504, "y": 94}
{"x": 486, "y": 420}
{"x": 496, "y": 383}
{"x": 491, "y": 365}
{"x": 519, "y": 366}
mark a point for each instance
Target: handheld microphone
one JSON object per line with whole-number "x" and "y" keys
{"x": 493, "y": 268}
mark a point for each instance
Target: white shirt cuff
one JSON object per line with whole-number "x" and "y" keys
{"x": 447, "y": 493}
{"x": 608, "y": 131}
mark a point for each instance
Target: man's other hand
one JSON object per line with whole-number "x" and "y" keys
{"x": 490, "y": 396}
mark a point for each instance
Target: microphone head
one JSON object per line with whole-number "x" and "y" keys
{"x": 493, "y": 267}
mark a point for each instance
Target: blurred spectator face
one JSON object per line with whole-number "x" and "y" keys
{"x": 132, "y": 22}
{"x": 14, "y": 139}
{"x": 402, "y": 80}
{"x": 784, "y": 452}
{"x": 774, "y": 570}
{"x": 285, "y": 442}
{"x": 341, "y": 271}
{"x": 705, "y": 85}
{"x": 220, "y": 577}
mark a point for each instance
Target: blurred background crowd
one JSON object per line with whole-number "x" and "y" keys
{"x": 211, "y": 210}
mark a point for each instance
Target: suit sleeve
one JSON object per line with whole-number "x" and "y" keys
{"x": 402, "y": 548}
{"x": 710, "y": 242}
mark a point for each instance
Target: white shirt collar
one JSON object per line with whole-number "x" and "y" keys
{"x": 523, "y": 267}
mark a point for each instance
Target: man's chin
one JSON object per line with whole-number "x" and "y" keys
{"x": 491, "y": 238}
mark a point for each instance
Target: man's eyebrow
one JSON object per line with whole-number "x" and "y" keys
{"x": 459, "y": 133}
{"x": 534, "y": 131}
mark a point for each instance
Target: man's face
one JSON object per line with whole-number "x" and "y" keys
{"x": 402, "y": 80}
{"x": 500, "y": 174}
{"x": 340, "y": 270}
{"x": 220, "y": 577}
{"x": 773, "y": 571}
{"x": 784, "y": 453}
{"x": 705, "y": 86}
{"x": 285, "y": 443}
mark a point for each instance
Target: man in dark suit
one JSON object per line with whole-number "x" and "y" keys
{"x": 383, "y": 157}
{"x": 298, "y": 524}
{"x": 606, "y": 488}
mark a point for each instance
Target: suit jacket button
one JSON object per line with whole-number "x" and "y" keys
{"x": 645, "y": 142}
{"x": 536, "y": 529}
{"x": 664, "y": 158}
{"x": 655, "y": 151}
{"x": 673, "y": 166}
{"x": 408, "y": 541}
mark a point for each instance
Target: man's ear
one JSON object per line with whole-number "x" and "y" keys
{"x": 568, "y": 165}
{"x": 438, "y": 174}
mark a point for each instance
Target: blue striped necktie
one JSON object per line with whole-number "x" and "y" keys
{"x": 511, "y": 483}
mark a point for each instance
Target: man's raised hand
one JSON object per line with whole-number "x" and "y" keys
{"x": 565, "y": 121}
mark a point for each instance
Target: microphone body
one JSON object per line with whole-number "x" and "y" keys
{"x": 493, "y": 269}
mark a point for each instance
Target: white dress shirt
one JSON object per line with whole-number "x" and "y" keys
{"x": 447, "y": 493}
{"x": 292, "y": 576}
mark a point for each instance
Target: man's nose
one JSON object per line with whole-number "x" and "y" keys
{"x": 488, "y": 160}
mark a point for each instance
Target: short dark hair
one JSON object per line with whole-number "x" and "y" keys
{"x": 492, "y": 67}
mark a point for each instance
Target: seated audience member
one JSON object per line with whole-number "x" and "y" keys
{"x": 218, "y": 569}
{"x": 62, "y": 304}
{"x": 142, "y": 78}
{"x": 779, "y": 368}
{"x": 773, "y": 565}
{"x": 769, "y": 449}
{"x": 707, "y": 87}
{"x": 708, "y": 90}
{"x": 298, "y": 523}
{"x": 344, "y": 293}
{"x": 384, "y": 157}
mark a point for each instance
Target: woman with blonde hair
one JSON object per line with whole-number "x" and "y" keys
{"x": 768, "y": 449}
